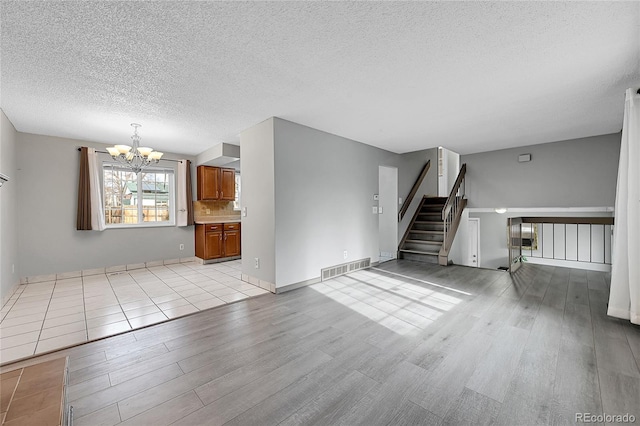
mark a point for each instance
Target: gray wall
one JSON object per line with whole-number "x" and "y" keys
{"x": 9, "y": 276}
{"x": 48, "y": 240}
{"x": 316, "y": 191}
{"x": 573, "y": 173}
{"x": 309, "y": 196}
{"x": 324, "y": 197}
{"x": 258, "y": 197}
{"x": 388, "y": 219}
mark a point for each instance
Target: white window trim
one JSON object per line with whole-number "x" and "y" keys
{"x": 239, "y": 208}
{"x": 172, "y": 200}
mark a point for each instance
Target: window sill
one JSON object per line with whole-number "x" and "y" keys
{"x": 153, "y": 225}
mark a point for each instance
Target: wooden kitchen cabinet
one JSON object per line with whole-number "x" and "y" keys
{"x": 217, "y": 241}
{"x": 228, "y": 184}
{"x": 215, "y": 183}
{"x": 231, "y": 239}
{"x": 213, "y": 245}
{"x": 208, "y": 183}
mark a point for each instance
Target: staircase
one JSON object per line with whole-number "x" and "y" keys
{"x": 433, "y": 227}
{"x": 424, "y": 238}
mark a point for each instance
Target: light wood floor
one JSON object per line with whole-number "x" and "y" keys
{"x": 404, "y": 343}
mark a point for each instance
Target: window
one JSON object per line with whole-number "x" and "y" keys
{"x": 144, "y": 199}
{"x": 236, "y": 203}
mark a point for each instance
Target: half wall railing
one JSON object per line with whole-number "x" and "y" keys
{"x": 580, "y": 241}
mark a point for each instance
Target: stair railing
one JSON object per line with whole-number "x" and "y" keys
{"x": 414, "y": 189}
{"x": 452, "y": 211}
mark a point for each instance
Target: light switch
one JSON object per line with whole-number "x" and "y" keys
{"x": 400, "y": 201}
{"x": 380, "y": 210}
{"x": 374, "y": 209}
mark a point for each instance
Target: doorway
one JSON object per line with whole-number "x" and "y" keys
{"x": 448, "y": 169}
{"x": 388, "y": 212}
{"x": 474, "y": 242}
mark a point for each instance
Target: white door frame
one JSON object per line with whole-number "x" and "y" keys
{"x": 477, "y": 221}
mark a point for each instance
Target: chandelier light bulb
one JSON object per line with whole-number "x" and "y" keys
{"x": 113, "y": 151}
{"x": 145, "y": 151}
{"x": 123, "y": 149}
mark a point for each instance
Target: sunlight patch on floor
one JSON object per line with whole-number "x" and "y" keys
{"x": 394, "y": 302}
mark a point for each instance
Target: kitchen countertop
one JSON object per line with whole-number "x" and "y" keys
{"x": 219, "y": 219}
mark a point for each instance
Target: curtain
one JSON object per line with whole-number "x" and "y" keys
{"x": 624, "y": 296}
{"x": 90, "y": 215}
{"x": 189, "y": 191}
{"x": 83, "y": 215}
{"x": 97, "y": 210}
{"x": 185, "y": 196}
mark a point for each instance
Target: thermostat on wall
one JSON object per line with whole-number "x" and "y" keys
{"x": 523, "y": 158}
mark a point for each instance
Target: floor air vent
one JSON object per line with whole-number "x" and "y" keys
{"x": 345, "y": 268}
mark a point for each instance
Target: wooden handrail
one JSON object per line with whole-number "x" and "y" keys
{"x": 451, "y": 215}
{"x": 450, "y": 229}
{"x": 414, "y": 189}
{"x": 454, "y": 191}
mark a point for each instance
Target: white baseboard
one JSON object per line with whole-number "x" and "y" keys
{"x": 294, "y": 286}
{"x": 107, "y": 270}
{"x": 570, "y": 264}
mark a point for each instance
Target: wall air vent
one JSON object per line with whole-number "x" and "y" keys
{"x": 345, "y": 268}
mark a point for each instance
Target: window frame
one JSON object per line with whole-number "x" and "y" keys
{"x": 171, "y": 197}
{"x": 238, "y": 191}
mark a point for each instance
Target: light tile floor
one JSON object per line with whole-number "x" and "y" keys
{"x": 41, "y": 317}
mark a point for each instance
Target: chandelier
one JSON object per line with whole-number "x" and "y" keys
{"x": 136, "y": 157}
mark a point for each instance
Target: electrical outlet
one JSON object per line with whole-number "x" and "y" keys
{"x": 344, "y": 254}
{"x": 208, "y": 211}
{"x": 257, "y": 263}
{"x": 181, "y": 246}
{"x": 244, "y": 211}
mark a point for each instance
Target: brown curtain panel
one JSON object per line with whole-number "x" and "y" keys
{"x": 190, "y": 220}
{"x": 83, "y": 218}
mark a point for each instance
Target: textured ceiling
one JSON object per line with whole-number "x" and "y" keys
{"x": 469, "y": 76}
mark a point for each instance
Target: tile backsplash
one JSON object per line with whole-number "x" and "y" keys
{"x": 208, "y": 208}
